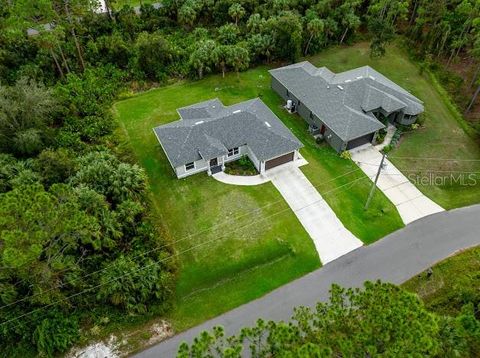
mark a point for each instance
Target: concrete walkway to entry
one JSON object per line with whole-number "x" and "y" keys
{"x": 254, "y": 179}
{"x": 330, "y": 237}
{"x": 240, "y": 179}
{"x": 410, "y": 202}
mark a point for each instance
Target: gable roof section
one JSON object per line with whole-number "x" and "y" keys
{"x": 344, "y": 101}
{"x": 375, "y": 98}
{"x": 218, "y": 128}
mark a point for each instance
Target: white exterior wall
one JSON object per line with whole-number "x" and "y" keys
{"x": 200, "y": 166}
{"x": 255, "y": 161}
{"x": 203, "y": 165}
{"x": 243, "y": 150}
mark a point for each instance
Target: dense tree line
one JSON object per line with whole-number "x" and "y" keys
{"x": 190, "y": 38}
{"x": 75, "y": 233}
{"x": 181, "y": 38}
{"x": 380, "y": 320}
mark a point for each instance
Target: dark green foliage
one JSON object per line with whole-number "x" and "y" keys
{"x": 26, "y": 111}
{"x": 381, "y": 135}
{"x": 104, "y": 173}
{"x": 56, "y": 333}
{"x": 73, "y": 218}
{"x": 153, "y": 53}
{"x": 157, "y": 43}
{"x": 242, "y": 166}
{"x": 86, "y": 94}
{"x": 132, "y": 282}
{"x": 380, "y": 320}
{"x": 55, "y": 166}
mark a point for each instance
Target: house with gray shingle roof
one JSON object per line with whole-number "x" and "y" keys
{"x": 209, "y": 134}
{"x": 346, "y": 108}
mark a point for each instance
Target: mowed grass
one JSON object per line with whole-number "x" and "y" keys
{"x": 424, "y": 155}
{"x": 452, "y": 283}
{"x": 234, "y": 243}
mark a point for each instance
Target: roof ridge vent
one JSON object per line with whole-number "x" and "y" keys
{"x": 340, "y": 87}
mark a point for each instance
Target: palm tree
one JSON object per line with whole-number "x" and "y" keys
{"x": 236, "y": 12}
{"x": 314, "y": 28}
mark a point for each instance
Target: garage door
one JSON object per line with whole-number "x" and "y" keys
{"x": 360, "y": 141}
{"x": 269, "y": 164}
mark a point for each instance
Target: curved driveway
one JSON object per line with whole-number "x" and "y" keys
{"x": 395, "y": 259}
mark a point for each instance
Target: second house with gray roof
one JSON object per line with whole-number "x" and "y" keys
{"x": 209, "y": 134}
{"x": 347, "y": 108}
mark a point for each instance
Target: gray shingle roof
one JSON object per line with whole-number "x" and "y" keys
{"x": 208, "y": 129}
{"x": 343, "y": 101}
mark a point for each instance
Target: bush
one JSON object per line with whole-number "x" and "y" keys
{"x": 56, "y": 333}
{"x": 346, "y": 155}
{"x": 421, "y": 119}
{"x": 388, "y": 148}
{"x": 381, "y": 135}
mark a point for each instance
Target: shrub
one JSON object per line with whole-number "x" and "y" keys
{"x": 388, "y": 148}
{"x": 320, "y": 139}
{"x": 381, "y": 135}
{"x": 420, "y": 119}
{"x": 244, "y": 161}
{"x": 56, "y": 333}
{"x": 346, "y": 155}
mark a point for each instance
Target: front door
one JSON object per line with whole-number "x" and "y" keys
{"x": 213, "y": 162}
{"x": 322, "y": 130}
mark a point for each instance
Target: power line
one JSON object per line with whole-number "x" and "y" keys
{"x": 427, "y": 158}
{"x": 421, "y": 169}
{"x": 170, "y": 243}
{"x": 174, "y": 255}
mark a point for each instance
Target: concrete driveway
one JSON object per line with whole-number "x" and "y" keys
{"x": 410, "y": 202}
{"x": 330, "y": 237}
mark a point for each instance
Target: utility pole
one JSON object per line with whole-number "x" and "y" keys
{"x": 374, "y": 186}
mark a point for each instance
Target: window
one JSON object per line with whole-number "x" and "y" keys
{"x": 233, "y": 151}
{"x": 288, "y": 94}
{"x": 311, "y": 115}
{"x": 190, "y": 166}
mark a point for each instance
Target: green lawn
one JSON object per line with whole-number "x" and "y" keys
{"x": 453, "y": 282}
{"x": 441, "y": 137}
{"x": 242, "y": 241}
{"x": 231, "y": 240}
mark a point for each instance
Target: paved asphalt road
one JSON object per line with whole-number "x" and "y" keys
{"x": 395, "y": 259}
